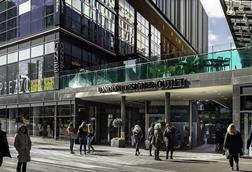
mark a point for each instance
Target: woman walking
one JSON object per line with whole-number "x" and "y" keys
{"x": 170, "y": 140}
{"x": 71, "y": 133}
{"x": 157, "y": 140}
{"x": 82, "y": 133}
{"x": 90, "y": 137}
{"x": 233, "y": 144}
{"x": 23, "y": 145}
{"x": 137, "y": 135}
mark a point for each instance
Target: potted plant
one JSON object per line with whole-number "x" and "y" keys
{"x": 117, "y": 141}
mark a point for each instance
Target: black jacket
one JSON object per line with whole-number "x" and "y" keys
{"x": 4, "y": 146}
{"x": 233, "y": 143}
{"x": 170, "y": 136}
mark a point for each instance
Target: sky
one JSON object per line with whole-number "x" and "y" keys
{"x": 218, "y": 30}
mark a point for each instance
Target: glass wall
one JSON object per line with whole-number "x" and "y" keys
{"x": 92, "y": 20}
{"x": 126, "y": 28}
{"x": 78, "y": 55}
{"x": 29, "y": 65}
{"x": 142, "y": 35}
{"x": 20, "y": 18}
{"x": 65, "y": 116}
{"x": 155, "y": 42}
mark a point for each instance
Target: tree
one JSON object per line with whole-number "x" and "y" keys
{"x": 117, "y": 123}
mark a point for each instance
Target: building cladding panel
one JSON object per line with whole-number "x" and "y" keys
{"x": 190, "y": 18}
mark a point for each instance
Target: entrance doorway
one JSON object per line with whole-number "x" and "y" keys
{"x": 246, "y": 126}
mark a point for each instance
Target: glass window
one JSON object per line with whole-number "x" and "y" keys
{"x": 12, "y": 23}
{"x": 37, "y": 51}
{"x": 11, "y": 13}
{"x": 49, "y": 72}
{"x": 49, "y": 21}
{"x": 49, "y": 47}
{"x": 24, "y": 7}
{"x": 37, "y": 25}
{"x": 76, "y": 4}
{"x": 13, "y": 57}
{"x": 12, "y": 34}
{"x": 24, "y": 54}
{"x": 3, "y": 6}
{"x": 3, "y": 81}
{"x": 3, "y": 60}
{"x": 68, "y": 2}
{"x": 36, "y": 67}
{"x": 24, "y": 78}
{"x": 24, "y": 29}
{"x": 12, "y": 78}
{"x": 3, "y": 17}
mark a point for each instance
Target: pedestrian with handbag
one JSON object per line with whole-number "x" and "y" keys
{"x": 233, "y": 144}
{"x": 82, "y": 134}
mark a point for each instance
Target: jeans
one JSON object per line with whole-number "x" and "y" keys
{"x": 83, "y": 142}
{"x": 23, "y": 164}
{"x": 232, "y": 158}
{"x": 89, "y": 143}
{"x": 71, "y": 144}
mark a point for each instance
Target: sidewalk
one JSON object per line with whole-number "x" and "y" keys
{"x": 48, "y": 154}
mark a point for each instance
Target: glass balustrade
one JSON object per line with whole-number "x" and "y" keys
{"x": 212, "y": 62}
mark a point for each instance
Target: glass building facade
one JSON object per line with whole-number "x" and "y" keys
{"x": 43, "y": 40}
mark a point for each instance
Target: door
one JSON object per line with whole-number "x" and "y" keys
{"x": 246, "y": 126}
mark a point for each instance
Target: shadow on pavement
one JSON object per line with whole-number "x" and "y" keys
{"x": 244, "y": 171}
{"x": 192, "y": 161}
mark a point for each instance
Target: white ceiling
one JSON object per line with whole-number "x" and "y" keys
{"x": 221, "y": 94}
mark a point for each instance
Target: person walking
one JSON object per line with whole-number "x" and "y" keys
{"x": 71, "y": 133}
{"x": 137, "y": 135}
{"x": 170, "y": 140}
{"x": 90, "y": 137}
{"x": 23, "y": 144}
{"x": 82, "y": 133}
{"x": 157, "y": 140}
{"x": 150, "y": 136}
{"x": 4, "y": 146}
{"x": 233, "y": 144}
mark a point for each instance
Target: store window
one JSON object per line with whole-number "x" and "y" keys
{"x": 24, "y": 77}
{"x": 49, "y": 47}
{"x": 49, "y": 72}
{"x": 12, "y": 57}
{"x": 3, "y": 60}
{"x": 3, "y": 80}
{"x": 24, "y": 54}
{"x": 12, "y": 77}
{"x": 36, "y": 68}
{"x": 64, "y": 118}
{"x": 37, "y": 51}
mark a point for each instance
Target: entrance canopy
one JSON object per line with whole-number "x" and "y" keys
{"x": 219, "y": 94}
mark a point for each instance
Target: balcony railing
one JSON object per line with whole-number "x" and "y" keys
{"x": 212, "y": 62}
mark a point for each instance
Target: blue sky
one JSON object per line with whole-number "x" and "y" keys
{"x": 218, "y": 30}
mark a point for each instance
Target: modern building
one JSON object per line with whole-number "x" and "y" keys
{"x": 95, "y": 60}
{"x": 238, "y": 15}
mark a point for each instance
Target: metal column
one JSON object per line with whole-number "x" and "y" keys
{"x": 190, "y": 123}
{"x": 123, "y": 115}
{"x": 167, "y": 107}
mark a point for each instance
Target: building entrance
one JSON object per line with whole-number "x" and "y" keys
{"x": 246, "y": 128}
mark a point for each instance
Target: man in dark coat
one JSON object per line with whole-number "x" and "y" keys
{"x": 4, "y": 146}
{"x": 170, "y": 139}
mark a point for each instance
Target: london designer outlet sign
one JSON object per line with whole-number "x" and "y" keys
{"x": 148, "y": 85}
